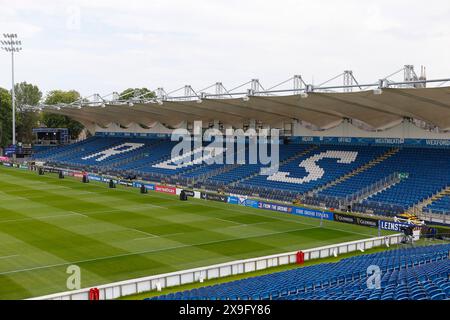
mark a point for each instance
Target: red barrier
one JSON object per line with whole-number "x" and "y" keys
{"x": 300, "y": 257}
{"x": 94, "y": 294}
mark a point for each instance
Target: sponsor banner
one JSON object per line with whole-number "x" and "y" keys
{"x": 23, "y": 166}
{"x": 251, "y": 203}
{"x": 344, "y": 218}
{"x": 197, "y": 194}
{"x": 132, "y": 134}
{"x": 313, "y": 213}
{"x": 274, "y": 207}
{"x": 189, "y": 193}
{"x": 241, "y": 200}
{"x": 165, "y": 189}
{"x": 237, "y": 199}
{"x": 52, "y": 170}
{"x": 432, "y": 143}
{"x": 367, "y": 222}
{"x": 148, "y": 186}
{"x": 95, "y": 177}
{"x": 137, "y": 184}
{"x": 78, "y": 174}
{"x": 392, "y": 225}
{"x": 310, "y": 213}
{"x": 213, "y": 197}
{"x": 233, "y": 200}
{"x": 125, "y": 183}
{"x": 4, "y": 159}
{"x": 7, "y": 164}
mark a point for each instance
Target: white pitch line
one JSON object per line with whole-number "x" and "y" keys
{"x": 144, "y": 238}
{"x": 249, "y": 224}
{"x": 11, "y": 256}
{"x": 37, "y": 218}
{"x": 79, "y": 214}
{"x": 73, "y": 213}
{"x": 270, "y": 214}
{"x": 230, "y": 221}
{"x": 172, "y": 234}
{"x": 150, "y": 235}
{"x": 148, "y": 251}
{"x": 267, "y": 214}
{"x": 290, "y": 218}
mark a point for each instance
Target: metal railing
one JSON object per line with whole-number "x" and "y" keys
{"x": 375, "y": 187}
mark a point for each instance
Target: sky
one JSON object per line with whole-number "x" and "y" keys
{"x": 97, "y": 46}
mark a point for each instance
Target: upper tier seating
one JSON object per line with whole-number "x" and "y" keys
{"x": 417, "y": 273}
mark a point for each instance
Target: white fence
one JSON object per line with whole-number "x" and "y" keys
{"x": 158, "y": 282}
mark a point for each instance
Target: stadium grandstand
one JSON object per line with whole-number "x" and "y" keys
{"x": 361, "y": 146}
{"x": 358, "y": 167}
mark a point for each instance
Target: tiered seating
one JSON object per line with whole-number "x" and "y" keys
{"x": 243, "y": 171}
{"x": 187, "y": 166}
{"x": 441, "y": 206}
{"x": 428, "y": 172}
{"x": 413, "y": 273}
{"x": 53, "y": 153}
{"x": 303, "y": 168}
{"x": 101, "y": 153}
{"x": 315, "y": 169}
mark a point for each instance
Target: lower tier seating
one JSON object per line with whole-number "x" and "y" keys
{"x": 417, "y": 273}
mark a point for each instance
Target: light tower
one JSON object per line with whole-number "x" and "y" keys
{"x": 11, "y": 44}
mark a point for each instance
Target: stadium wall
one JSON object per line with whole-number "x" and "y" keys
{"x": 158, "y": 282}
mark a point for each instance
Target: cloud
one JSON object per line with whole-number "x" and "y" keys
{"x": 105, "y": 46}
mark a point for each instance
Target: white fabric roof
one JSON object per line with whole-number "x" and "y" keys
{"x": 323, "y": 110}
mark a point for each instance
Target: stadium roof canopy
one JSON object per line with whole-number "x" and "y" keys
{"x": 379, "y": 107}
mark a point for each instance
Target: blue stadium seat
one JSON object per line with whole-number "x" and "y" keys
{"x": 403, "y": 281}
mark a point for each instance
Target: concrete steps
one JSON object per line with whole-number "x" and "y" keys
{"x": 419, "y": 207}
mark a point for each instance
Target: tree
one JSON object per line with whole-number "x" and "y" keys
{"x": 26, "y": 94}
{"x": 136, "y": 92}
{"x": 61, "y": 121}
{"x": 5, "y": 118}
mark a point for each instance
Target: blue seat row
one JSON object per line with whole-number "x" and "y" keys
{"x": 412, "y": 273}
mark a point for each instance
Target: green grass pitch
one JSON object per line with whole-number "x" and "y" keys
{"x": 47, "y": 224}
